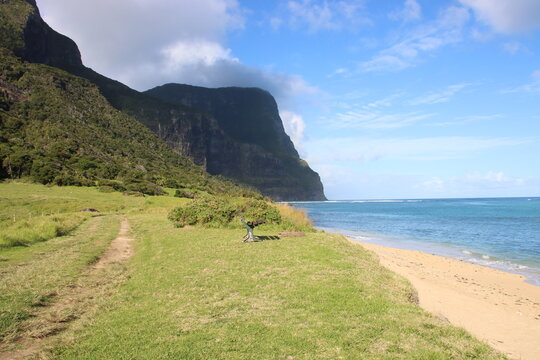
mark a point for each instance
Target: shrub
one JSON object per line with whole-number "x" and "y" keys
{"x": 44, "y": 171}
{"x": 294, "y": 218}
{"x": 212, "y": 211}
{"x": 183, "y": 194}
{"x": 71, "y": 180}
{"x": 147, "y": 188}
{"x": 114, "y": 184}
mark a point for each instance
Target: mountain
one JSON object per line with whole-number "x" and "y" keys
{"x": 58, "y": 128}
{"x": 256, "y": 150}
{"x": 232, "y": 132}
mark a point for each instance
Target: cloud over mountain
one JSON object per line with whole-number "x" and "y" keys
{"x": 146, "y": 43}
{"x": 507, "y": 16}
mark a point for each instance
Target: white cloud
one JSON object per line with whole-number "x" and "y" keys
{"x": 481, "y": 34}
{"x": 514, "y": 47}
{"x": 187, "y": 53}
{"x": 411, "y": 11}
{"x": 375, "y": 119}
{"x": 163, "y": 41}
{"x": 318, "y": 15}
{"x": 447, "y": 29}
{"x": 114, "y": 35}
{"x": 340, "y": 71}
{"x": 440, "y": 97}
{"x": 493, "y": 178}
{"x": 429, "y": 148}
{"x": 382, "y": 62}
{"x": 294, "y": 127}
{"x": 382, "y": 103}
{"x": 466, "y": 120}
{"x": 491, "y": 183}
{"x": 532, "y": 87}
{"x": 146, "y": 43}
{"x": 276, "y": 23}
{"x": 507, "y": 16}
{"x": 434, "y": 184}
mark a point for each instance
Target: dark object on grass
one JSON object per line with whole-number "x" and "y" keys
{"x": 250, "y": 225}
{"x": 89, "y": 210}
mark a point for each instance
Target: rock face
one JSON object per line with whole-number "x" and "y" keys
{"x": 41, "y": 44}
{"x": 250, "y": 143}
{"x": 234, "y": 132}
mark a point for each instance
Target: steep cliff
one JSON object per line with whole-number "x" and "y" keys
{"x": 256, "y": 150}
{"x": 241, "y": 138}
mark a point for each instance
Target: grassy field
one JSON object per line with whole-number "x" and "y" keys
{"x": 203, "y": 294}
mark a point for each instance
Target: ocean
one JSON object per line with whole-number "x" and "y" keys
{"x": 502, "y": 233}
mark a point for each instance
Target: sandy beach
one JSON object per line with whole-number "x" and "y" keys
{"x": 497, "y": 307}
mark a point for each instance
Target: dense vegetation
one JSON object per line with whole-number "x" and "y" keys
{"x": 241, "y": 138}
{"x": 56, "y": 128}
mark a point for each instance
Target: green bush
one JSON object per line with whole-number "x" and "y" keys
{"x": 114, "y": 184}
{"x": 184, "y": 194}
{"x": 147, "y": 188}
{"x": 215, "y": 212}
{"x": 44, "y": 171}
{"x": 71, "y": 180}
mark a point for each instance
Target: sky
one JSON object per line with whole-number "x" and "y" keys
{"x": 384, "y": 99}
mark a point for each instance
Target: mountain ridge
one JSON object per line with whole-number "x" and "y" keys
{"x": 197, "y": 134}
{"x": 57, "y": 128}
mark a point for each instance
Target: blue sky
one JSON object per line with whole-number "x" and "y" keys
{"x": 385, "y": 99}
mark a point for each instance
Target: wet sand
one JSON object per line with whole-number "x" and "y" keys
{"x": 497, "y": 307}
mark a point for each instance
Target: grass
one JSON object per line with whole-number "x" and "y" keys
{"x": 295, "y": 216}
{"x": 31, "y": 213}
{"x": 196, "y": 293}
{"x": 32, "y": 276}
{"x": 36, "y": 229}
{"x": 202, "y": 294}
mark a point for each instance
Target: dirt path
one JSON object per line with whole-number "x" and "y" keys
{"x": 74, "y": 301}
{"x": 120, "y": 250}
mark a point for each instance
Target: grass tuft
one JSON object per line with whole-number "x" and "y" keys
{"x": 37, "y": 229}
{"x": 294, "y": 218}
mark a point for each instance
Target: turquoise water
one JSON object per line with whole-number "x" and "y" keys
{"x": 503, "y": 233}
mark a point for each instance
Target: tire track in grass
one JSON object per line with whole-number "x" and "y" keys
{"x": 75, "y": 300}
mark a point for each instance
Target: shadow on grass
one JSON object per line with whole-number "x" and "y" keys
{"x": 269, "y": 237}
{"x": 264, "y": 238}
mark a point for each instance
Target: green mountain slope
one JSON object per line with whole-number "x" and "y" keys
{"x": 250, "y": 146}
{"x": 58, "y": 128}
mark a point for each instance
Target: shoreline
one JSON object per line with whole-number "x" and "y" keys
{"x": 530, "y": 273}
{"x": 498, "y": 307}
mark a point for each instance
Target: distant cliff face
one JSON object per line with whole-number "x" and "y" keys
{"x": 233, "y": 132}
{"x": 248, "y": 115}
{"x": 256, "y": 150}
